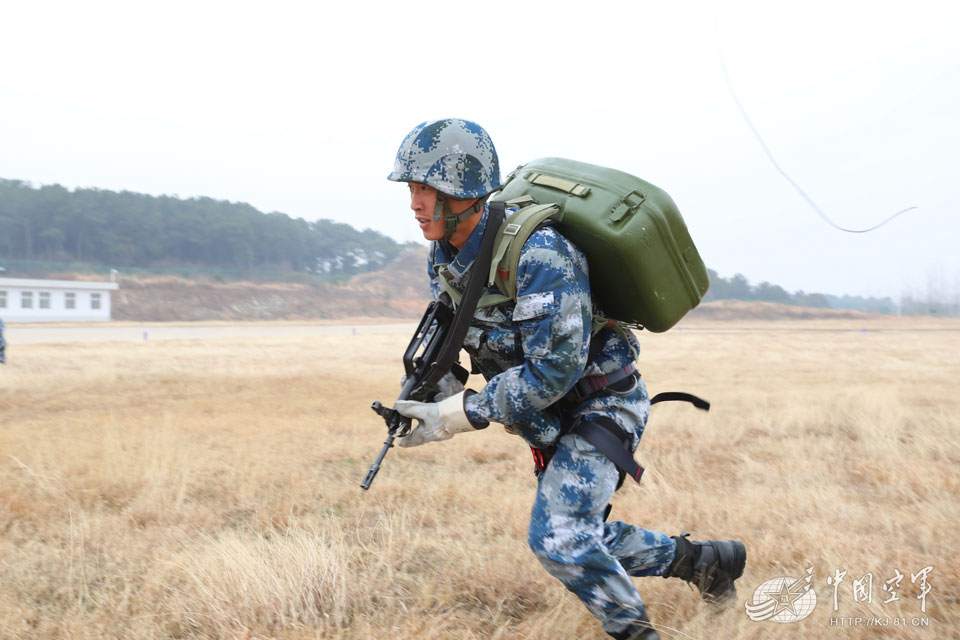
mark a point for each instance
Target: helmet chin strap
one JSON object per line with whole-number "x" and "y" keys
{"x": 450, "y": 219}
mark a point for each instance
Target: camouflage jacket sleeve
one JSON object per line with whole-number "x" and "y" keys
{"x": 553, "y": 312}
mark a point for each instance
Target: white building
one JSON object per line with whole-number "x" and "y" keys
{"x": 26, "y": 300}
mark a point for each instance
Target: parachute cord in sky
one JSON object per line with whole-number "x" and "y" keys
{"x": 766, "y": 150}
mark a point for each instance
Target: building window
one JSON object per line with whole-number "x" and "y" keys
{"x": 44, "y": 300}
{"x": 70, "y": 300}
{"x": 3, "y": 299}
{"x": 94, "y": 300}
{"x": 26, "y": 299}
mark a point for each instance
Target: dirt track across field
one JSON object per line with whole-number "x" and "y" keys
{"x": 21, "y": 334}
{"x": 51, "y": 335}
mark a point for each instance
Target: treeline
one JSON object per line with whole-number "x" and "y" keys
{"x": 124, "y": 229}
{"x": 739, "y": 288}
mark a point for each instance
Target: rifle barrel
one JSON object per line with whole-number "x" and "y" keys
{"x": 375, "y": 467}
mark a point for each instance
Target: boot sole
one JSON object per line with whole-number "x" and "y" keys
{"x": 739, "y": 559}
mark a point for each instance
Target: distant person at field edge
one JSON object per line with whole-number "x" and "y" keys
{"x": 532, "y": 353}
{"x": 3, "y": 344}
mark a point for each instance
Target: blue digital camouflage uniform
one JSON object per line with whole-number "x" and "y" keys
{"x": 531, "y": 353}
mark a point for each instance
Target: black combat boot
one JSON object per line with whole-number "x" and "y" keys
{"x": 712, "y": 566}
{"x": 641, "y": 629}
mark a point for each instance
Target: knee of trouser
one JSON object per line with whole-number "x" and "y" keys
{"x": 563, "y": 562}
{"x": 552, "y": 547}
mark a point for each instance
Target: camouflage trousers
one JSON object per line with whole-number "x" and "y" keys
{"x": 594, "y": 559}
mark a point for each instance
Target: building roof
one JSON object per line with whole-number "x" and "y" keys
{"x": 38, "y": 283}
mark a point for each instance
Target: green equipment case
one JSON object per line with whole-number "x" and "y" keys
{"x": 644, "y": 268}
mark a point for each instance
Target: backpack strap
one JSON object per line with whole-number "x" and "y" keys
{"x": 443, "y": 271}
{"x": 513, "y": 233}
{"x": 486, "y": 300}
{"x": 497, "y": 211}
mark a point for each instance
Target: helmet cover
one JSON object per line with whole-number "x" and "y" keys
{"x": 455, "y": 157}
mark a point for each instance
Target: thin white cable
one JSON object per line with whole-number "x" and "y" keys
{"x": 766, "y": 150}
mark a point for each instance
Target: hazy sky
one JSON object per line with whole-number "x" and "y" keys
{"x": 299, "y": 107}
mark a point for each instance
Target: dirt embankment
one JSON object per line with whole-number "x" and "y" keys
{"x": 398, "y": 291}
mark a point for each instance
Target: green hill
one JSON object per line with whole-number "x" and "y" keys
{"x": 52, "y": 224}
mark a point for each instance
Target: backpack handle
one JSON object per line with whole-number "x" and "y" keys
{"x": 544, "y": 180}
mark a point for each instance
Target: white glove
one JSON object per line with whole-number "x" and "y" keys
{"x": 435, "y": 420}
{"x": 447, "y": 386}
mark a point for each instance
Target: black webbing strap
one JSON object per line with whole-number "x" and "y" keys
{"x": 589, "y": 385}
{"x": 680, "y": 396}
{"x": 610, "y": 440}
{"x": 476, "y": 284}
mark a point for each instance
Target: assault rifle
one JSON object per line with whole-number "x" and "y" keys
{"x": 429, "y": 356}
{"x": 432, "y": 353}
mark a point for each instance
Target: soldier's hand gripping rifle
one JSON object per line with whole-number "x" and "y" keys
{"x": 433, "y": 351}
{"x": 429, "y": 356}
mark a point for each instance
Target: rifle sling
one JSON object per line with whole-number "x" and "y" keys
{"x": 476, "y": 284}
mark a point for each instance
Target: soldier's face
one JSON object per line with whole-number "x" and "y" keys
{"x": 423, "y": 198}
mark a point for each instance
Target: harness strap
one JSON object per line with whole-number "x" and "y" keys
{"x": 588, "y": 385}
{"x": 610, "y": 440}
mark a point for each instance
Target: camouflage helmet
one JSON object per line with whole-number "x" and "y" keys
{"x": 455, "y": 157}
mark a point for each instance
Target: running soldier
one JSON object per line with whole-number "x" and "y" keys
{"x": 543, "y": 367}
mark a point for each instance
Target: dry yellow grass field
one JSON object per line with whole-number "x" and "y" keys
{"x": 209, "y": 489}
